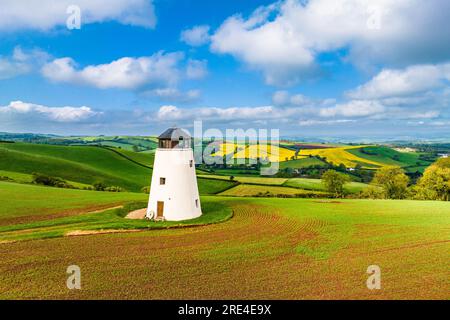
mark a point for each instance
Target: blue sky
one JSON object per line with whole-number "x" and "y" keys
{"x": 317, "y": 68}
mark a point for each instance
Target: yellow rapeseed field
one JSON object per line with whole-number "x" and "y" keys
{"x": 341, "y": 156}
{"x": 272, "y": 153}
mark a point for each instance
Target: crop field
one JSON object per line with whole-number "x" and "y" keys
{"x": 45, "y": 212}
{"x": 342, "y": 155}
{"x": 388, "y": 156}
{"x": 242, "y": 247}
{"x": 249, "y": 180}
{"x": 301, "y": 163}
{"x": 271, "y": 153}
{"x": 27, "y": 203}
{"x": 247, "y": 190}
{"x": 350, "y": 156}
{"x": 270, "y": 249}
{"x": 76, "y": 163}
{"x": 83, "y": 166}
{"x": 316, "y": 184}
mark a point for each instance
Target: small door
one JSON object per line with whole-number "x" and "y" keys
{"x": 160, "y": 209}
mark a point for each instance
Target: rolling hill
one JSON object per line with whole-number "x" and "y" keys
{"x": 410, "y": 161}
{"x": 87, "y": 165}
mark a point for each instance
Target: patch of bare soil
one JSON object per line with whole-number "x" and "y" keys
{"x": 6, "y": 241}
{"x": 137, "y": 214}
{"x": 91, "y": 232}
{"x": 66, "y": 213}
{"x": 329, "y": 201}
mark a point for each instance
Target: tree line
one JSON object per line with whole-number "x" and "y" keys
{"x": 393, "y": 183}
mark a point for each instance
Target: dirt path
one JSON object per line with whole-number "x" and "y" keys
{"x": 137, "y": 214}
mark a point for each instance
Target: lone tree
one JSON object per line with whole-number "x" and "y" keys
{"x": 435, "y": 183}
{"x": 393, "y": 181}
{"x": 334, "y": 182}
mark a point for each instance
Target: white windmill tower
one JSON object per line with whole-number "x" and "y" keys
{"x": 174, "y": 192}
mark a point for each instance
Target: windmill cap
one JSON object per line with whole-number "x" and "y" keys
{"x": 174, "y": 134}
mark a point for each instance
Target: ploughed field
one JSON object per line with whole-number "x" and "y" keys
{"x": 269, "y": 249}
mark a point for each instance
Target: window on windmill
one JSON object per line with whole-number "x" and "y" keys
{"x": 196, "y": 203}
{"x": 162, "y": 181}
{"x": 191, "y": 163}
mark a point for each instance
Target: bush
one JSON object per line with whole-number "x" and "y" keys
{"x": 435, "y": 183}
{"x": 372, "y": 192}
{"x": 42, "y": 179}
{"x": 146, "y": 190}
{"x": 99, "y": 186}
{"x": 113, "y": 189}
{"x": 334, "y": 182}
{"x": 393, "y": 181}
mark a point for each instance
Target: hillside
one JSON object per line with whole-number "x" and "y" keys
{"x": 411, "y": 161}
{"x": 87, "y": 165}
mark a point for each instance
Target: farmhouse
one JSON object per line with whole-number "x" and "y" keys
{"x": 174, "y": 192}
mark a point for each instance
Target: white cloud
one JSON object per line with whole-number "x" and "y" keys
{"x": 308, "y": 123}
{"x": 283, "y": 98}
{"x": 250, "y": 114}
{"x": 197, "y": 36}
{"x": 174, "y": 113}
{"x": 355, "y": 108}
{"x": 402, "y": 82}
{"x": 196, "y": 69}
{"x": 173, "y": 95}
{"x": 21, "y": 62}
{"x": 48, "y": 14}
{"x": 283, "y": 40}
{"x": 124, "y": 73}
{"x": 57, "y": 114}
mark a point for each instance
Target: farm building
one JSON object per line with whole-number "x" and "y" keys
{"x": 174, "y": 192}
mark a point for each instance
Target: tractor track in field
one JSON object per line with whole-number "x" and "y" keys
{"x": 251, "y": 256}
{"x": 63, "y": 214}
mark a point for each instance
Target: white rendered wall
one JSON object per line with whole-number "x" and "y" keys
{"x": 180, "y": 191}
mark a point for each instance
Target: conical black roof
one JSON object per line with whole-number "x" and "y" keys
{"x": 174, "y": 133}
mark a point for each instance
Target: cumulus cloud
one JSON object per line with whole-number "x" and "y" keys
{"x": 197, "y": 36}
{"x": 173, "y": 113}
{"x": 356, "y": 108}
{"x": 283, "y": 40}
{"x": 403, "y": 82}
{"x": 124, "y": 73}
{"x": 47, "y": 14}
{"x": 284, "y": 98}
{"x": 196, "y": 69}
{"x": 17, "y": 109}
{"x": 173, "y": 95}
{"x": 310, "y": 122}
{"x": 21, "y": 62}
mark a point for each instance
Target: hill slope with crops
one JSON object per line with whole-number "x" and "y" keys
{"x": 87, "y": 165}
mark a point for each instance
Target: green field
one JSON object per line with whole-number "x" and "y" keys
{"x": 77, "y": 163}
{"x": 84, "y": 165}
{"x": 316, "y": 184}
{"x": 301, "y": 163}
{"x": 21, "y": 202}
{"x": 249, "y": 180}
{"x": 270, "y": 249}
{"x": 242, "y": 247}
{"x": 247, "y": 190}
{"x": 391, "y": 157}
{"x": 35, "y": 212}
